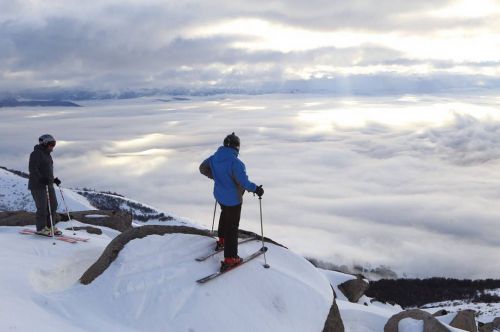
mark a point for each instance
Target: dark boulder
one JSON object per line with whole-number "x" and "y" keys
{"x": 490, "y": 327}
{"x": 441, "y": 312}
{"x": 465, "y": 320}
{"x": 17, "y": 218}
{"x": 334, "y": 322}
{"x": 354, "y": 289}
{"x": 431, "y": 324}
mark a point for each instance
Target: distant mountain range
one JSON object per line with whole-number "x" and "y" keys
{"x": 352, "y": 85}
{"x": 13, "y": 102}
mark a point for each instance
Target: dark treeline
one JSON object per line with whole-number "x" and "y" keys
{"x": 417, "y": 292}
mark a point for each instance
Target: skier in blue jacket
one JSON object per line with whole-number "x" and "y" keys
{"x": 230, "y": 183}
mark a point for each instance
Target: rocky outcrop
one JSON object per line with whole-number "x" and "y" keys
{"x": 441, "y": 312}
{"x": 244, "y": 234}
{"x": 431, "y": 324}
{"x": 17, "y": 218}
{"x": 354, "y": 289}
{"x": 119, "y": 220}
{"x": 89, "y": 229}
{"x": 490, "y": 327}
{"x": 465, "y": 320}
{"x": 334, "y": 322}
{"x": 117, "y": 244}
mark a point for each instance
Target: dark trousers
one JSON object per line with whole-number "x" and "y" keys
{"x": 229, "y": 222}
{"x": 42, "y": 206}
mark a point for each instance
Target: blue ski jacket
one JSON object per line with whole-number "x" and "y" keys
{"x": 229, "y": 175}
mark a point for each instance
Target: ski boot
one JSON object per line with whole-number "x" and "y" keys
{"x": 45, "y": 231}
{"x": 57, "y": 231}
{"x": 219, "y": 245}
{"x": 229, "y": 263}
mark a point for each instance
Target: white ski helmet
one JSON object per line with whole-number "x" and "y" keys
{"x": 45, "y": 139}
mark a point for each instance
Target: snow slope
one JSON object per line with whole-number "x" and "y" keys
{"x": 34, "y": 267}
{"x": 151, "y": 286}
{"x": 14, "y": 195}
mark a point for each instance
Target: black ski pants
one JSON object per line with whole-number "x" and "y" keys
{"x": 229, "y": 223}
{"x": 42, "y": 206}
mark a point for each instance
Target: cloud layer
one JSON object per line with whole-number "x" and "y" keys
{"x": 156, "y": 44}
{"x": 409, "y": 183}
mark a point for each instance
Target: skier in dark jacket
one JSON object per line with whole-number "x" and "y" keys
{"x": 41, "y": 168}
{"x": 230, "y": 183}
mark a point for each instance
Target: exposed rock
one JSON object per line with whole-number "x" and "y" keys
{"x": 119, "y": 220}
{"x": 354, "y": 289}
{"x": 244, "y": 234}
{"x": 441, "y": 312}
{"x": 116, "y": 245}
{"x": 490, "y": 327}
{"x": 334, "y": 322}
{"x": 89, "y": 229}
{"x": 431, "y": 324}
{"x": 465, "y": 320}
{"x": 17, "y": 218}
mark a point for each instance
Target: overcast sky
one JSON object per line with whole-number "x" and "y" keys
{"x": 124, "y": 44}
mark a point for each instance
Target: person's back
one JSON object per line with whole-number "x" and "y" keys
{"x": 230, "y": 177}
{"x": 230, "y": 183}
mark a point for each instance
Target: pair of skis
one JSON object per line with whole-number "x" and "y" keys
{"x": 244, "y": 260}
{"x": 65, "y": 238}
{"x": 215, "y": 252}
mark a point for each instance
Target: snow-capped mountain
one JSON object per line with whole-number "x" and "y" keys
{"x": 151, "y": 285}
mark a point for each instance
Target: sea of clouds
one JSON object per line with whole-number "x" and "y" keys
{"x": 410, "y": 183}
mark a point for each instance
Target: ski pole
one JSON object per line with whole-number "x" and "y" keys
{"x": 67, "y": 210}
{"x": 50, "y": 215}
{"x": 262, "y": 232}
{"x": 213, "y": 221}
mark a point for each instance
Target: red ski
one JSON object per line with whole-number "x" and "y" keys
{"x": 245, "y": 260}
{"x": 65, "y": 238}
{"x": 207, "y": 256}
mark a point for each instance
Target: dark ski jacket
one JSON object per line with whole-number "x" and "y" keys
{"x": 40, "y": 166}
{"x": 229, "y": 175}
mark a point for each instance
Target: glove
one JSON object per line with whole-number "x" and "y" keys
{"x": 259, "y": 191}
{"x": 57, "y": 181}
{"x": 44, "y": 181}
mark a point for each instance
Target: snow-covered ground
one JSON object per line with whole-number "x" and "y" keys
{"x": 151, "y": 286}
{"x": 486, "y": 312}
